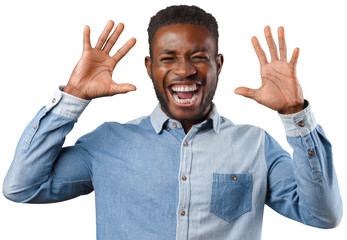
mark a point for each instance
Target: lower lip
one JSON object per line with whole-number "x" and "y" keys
{"x": 188, "y": 104}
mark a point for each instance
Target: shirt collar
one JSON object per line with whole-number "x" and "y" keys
{"x": 159, "y": 118}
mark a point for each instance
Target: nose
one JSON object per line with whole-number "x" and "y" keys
{"x": 184, "y": 69}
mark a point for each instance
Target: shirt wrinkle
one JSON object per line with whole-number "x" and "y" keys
{"x": 149, "y": 174}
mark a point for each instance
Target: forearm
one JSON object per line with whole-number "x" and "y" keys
{"x": 39, "y": 147}
{"x": 316, "y": 178}
{"x": 305, "y": 188}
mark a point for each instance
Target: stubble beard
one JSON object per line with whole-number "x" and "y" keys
{"x": 195, "y": 119}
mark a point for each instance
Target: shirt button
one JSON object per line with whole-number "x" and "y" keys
{"x": 301, "y": 124}
{"x": 184, "y": 178}
{"x": 35, "y": 127}
{"x": 183, "y": 213}
{"x": 311, "y": 153}
{"x": 174, "y": 125}
{"x": 234, "y": 178}
{"x": 185, "y": 144}
{"x": 54, "y": 100}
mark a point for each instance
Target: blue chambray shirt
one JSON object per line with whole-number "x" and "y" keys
{"x": 153, "y": 181}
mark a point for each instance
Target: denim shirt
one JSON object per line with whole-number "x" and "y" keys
{"x": 153, "y": 181}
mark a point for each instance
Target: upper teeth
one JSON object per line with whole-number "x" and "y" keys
{"x": 185, "y": 88}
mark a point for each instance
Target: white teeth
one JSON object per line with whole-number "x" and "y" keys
{"x": 185, "y": 88}
{"x": 191, "y": 100}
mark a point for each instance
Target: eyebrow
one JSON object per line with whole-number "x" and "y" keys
{"x": 199, "y": 50}
{"x": 169, "y": 52}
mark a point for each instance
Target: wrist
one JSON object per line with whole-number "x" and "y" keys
{"x": 67, "y": 105}
{"x": 294, "y": 109}
{"x": 74, "y": 92}
{"x": 299, "y": 124}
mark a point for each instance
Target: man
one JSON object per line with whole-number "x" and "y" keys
{"x": 184, "y": 172}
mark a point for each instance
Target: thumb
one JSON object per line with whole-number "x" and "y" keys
{"x": 247, "y": 92}
{"x": 119, "y": 88}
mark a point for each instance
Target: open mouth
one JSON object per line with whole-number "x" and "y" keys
{"x": 185, "y": 94}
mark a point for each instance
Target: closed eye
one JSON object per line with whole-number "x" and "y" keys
{"x": 199, "y": 58}
{"x": 167, "y": 59}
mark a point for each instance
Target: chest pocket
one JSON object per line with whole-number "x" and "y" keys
{"x": 231, "y": 195}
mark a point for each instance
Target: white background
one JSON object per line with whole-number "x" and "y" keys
{"x": 41, "y": 41}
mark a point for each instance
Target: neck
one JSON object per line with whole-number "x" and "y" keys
{"x": 187, "y": 124}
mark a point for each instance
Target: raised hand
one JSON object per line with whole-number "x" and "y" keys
{"x": 92, "y": 76}
{"x": 280, "y": 89}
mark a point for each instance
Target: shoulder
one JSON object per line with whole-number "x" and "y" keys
{"x": 133, "y": 125}
{"x": 115, "y": 132}
{"x": 242, "y": 129}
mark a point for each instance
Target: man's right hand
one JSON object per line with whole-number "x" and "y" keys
{"x": 92, "y": 76}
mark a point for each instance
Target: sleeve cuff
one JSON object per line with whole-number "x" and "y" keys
{"x": 66, "y": 105}
{"x": 299, "y": 124}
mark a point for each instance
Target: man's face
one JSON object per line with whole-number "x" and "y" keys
{"x": 184, "y": 69}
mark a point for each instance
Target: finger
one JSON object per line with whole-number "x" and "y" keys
{"x": 124, "y": 50}
{"x": 104, "y": 35}
{"x": 86, "y": 38}
{"x": 259, "y": 51}
{"x": 114, "y": 37}
{"x": 117, "y": 88}
{"x": 294, "y": 59}
{"x": 271, "y": 44}
{"x": 247, "y": 92}
{"x": 282, "y": 44}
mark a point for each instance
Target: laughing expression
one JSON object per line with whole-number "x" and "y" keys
{"x": 184, "y": 68}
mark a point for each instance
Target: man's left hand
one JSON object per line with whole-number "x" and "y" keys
{"x": 280, "y": 89}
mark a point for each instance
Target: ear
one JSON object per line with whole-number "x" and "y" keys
{"x": 220, "y": 61}
{"x": 148, "y": 64}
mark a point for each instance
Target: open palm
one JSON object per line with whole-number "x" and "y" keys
{"x": 280, "y": 89}
{"x": 92, "y": 76}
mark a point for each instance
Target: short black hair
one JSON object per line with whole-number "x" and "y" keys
{"x": 182, "y": 14}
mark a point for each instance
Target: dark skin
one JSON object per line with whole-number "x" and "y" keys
{"x": 280, "y": 89}
{"x": 92, "y": 76}
{"x": 182, "y": 55}
{"x": 185, "y": 54}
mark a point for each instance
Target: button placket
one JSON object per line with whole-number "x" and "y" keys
{"x": 311, "y": 153}
{"x": 184, "y": 184}
{"x": 313, "y": 158}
